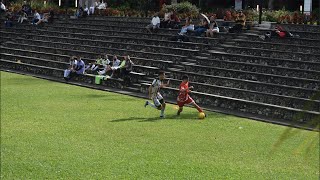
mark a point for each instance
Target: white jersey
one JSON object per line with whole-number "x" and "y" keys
{"x": 155, "y": 87}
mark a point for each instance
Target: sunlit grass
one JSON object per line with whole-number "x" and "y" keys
{"x": 57, "y": 131}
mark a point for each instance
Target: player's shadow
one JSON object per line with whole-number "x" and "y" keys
{"x": 155, "y": 119}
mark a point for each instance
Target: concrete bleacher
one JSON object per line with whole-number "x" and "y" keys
{"x": 276, "y": 81}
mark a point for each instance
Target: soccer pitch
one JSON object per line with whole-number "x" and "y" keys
{"x": 52, "y": 130}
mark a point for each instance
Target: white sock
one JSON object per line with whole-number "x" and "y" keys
{"x": 152, "y": 105}
{"x": 162, "y": 112}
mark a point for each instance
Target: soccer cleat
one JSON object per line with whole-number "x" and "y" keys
{"x": 146, "y": 104}
{"x": 162, "y": 116}
{"x": 178, "y": 113}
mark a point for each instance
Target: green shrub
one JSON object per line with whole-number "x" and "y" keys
{"x": 183, "y": 9}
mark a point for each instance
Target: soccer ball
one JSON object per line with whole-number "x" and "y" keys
{"x": 202, "y": 115}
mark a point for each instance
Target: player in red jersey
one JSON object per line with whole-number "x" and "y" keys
{"x": 183, "y": 97}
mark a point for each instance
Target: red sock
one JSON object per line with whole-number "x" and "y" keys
{"x": 198, "y": 108}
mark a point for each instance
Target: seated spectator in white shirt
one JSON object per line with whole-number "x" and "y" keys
{"x": 78, "y": 68}
{"x": 36, "y": 17}
{"x": 72, "y": 66}
{"x": 45, "y": 19}
{"x": 102, "y": 6}
{"x": 155, "y": 23}
{"x": 90, "y": 67}
{"x": 86, "y": 10}
{"x": 114, "y": 66}
{"x": 91, "y": 10}
{"x": 3, "y": 7}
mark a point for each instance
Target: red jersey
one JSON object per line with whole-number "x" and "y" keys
{"x": 183, "y": 92}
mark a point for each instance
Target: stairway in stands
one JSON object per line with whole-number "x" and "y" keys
{"x": 275, "y": 81}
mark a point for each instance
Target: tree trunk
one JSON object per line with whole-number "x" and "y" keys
{"x": 270, "y": 4}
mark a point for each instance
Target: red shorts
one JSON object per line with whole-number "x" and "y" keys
{"x": 182, "y": 103}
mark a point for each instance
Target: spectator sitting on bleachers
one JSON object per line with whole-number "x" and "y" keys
{"x": 22, "y": 16}
{"x": 91, "y": 10}
{"x": 51, "y": 16}
{"x": 240, "y": 23}
{"x": 155, "y": 24}
{"x": 90, "y": 67}
{"x": 36, "y": 17}
{"x": 72, "y": 65}
{"x": 114, "y": 67}
{"x": 227, "y": 18}
{"x": 9, "y": 19}
{"x": 166, "y": 20}
{"x": 86, "y": 11}
{"x": 204, "y": 26}
{"x": 26, "y": 8}
{"x": 78, "y": 68}
{"x": 126, "y": 69}
{"x": 102, "y": 63}
{"x": 102, "y": 6}
{"x": 187, "y": 27}
{"x": 80, "y": 12}
{"x": 44, "y": 19}
{"x": 280, "y": 32}
{"x": 3, "y": 7}
{"x": 174, "y": 21}
{"x": 213, "y": 27}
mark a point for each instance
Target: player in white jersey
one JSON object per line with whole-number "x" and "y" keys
{"x": 155, "y": 96}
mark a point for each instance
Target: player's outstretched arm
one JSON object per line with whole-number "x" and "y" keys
{"x": 166, "y": 85}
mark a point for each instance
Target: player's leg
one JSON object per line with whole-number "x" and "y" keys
{"x": 197, "y": 106}
{"x": 191, "y": 101}
{"x": 156, "y": 104}
{"x": 163, "y": 105}
{"x": 180, "y": 104}
{"x": 180, "y": 110}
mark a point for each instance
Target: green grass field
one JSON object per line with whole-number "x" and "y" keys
{"x": 51, "y": 130}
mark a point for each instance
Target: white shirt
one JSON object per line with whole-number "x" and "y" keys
{"x": 155, "y": 87}
{"x": 37, "y": 16}
{"x": 105, "y": 62}
{"x": 73, "y": 62}
{"x": 116, "y": 63}
{"x": 155, "y": 20}
{"x": 167, "y": 16}
{"x": 3, "y": 7}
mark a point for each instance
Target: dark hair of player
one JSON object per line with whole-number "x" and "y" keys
{"x": 161, "y": 73}
{"x": 185, "y": 77}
